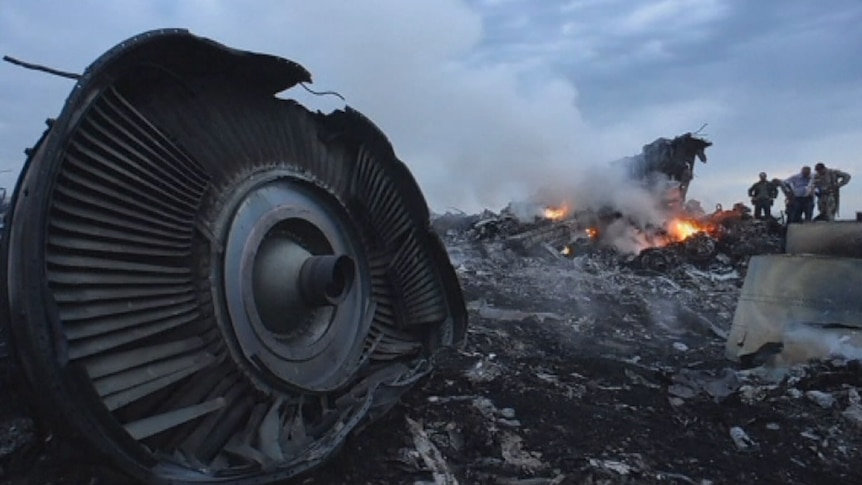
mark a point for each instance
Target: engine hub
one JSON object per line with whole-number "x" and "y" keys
{"x": 292, "y": 284}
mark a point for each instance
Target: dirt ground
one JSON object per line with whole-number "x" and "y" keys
{"x": 600, "y": 397}
{"x": 578, "y": 371}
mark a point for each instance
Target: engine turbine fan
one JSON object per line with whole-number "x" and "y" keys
{"x": 210, "y": 284}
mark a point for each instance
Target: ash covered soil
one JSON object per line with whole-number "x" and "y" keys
{"x": 576, "y": 370}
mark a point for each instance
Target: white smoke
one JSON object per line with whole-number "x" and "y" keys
{"x": 605, "y": 187}
{"x": 528, "y": 211}
{"x": 805, "y": 342}
{"x": 477, "y": 133}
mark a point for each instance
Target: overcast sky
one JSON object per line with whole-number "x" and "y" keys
{"x": 490, "y": 100}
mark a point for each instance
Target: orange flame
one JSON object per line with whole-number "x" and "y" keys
{"x": 566, "y": 251}
{"x": 592, "y": 232}
{"x": 682, "y": 229}
{"x": 556, "y": 213}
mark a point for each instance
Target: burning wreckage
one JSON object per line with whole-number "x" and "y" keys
{"x": 145, "y": 311}
{"x": 690, "y": 236}
{"x": 682, "y": 232}
{"x": 636, "y": 325}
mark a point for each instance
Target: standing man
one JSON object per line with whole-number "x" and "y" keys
{"x": 827, "y": 182}
{"x": 762, "y": 193}
{"x": 801, "y": 205}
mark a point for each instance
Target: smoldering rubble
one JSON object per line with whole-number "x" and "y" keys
{"x": 591, "y": 368}
{"x": 595, "y": 354}
{"x": 588, "y": 364}
{"x": 717, "y": 241}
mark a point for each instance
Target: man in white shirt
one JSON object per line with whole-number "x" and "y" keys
{"x": 801, "y": 205}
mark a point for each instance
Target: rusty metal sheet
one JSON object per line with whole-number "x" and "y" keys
{"x": 839, "y": 238}
{"x": 811, "y": 304}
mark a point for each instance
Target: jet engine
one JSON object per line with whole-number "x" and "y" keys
{"x": 207, "y": 283}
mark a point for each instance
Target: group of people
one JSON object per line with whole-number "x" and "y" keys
{"x": 800, "y": 191}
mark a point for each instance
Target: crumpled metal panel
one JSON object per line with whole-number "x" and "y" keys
{"x": 810, "y": 304}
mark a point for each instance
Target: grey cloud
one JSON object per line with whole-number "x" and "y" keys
{"x": 776, "y": 80}
{"x": 487, "y": 100}
{"x": 475, "y": 135}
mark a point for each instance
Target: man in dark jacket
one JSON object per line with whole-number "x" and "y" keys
{"x": 762, "y": 193}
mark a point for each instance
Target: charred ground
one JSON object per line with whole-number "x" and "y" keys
{"x": 591, "y": 369}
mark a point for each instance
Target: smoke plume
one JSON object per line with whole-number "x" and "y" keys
{"x": 604, "y": 188}
{"x": 477, "y": 132}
